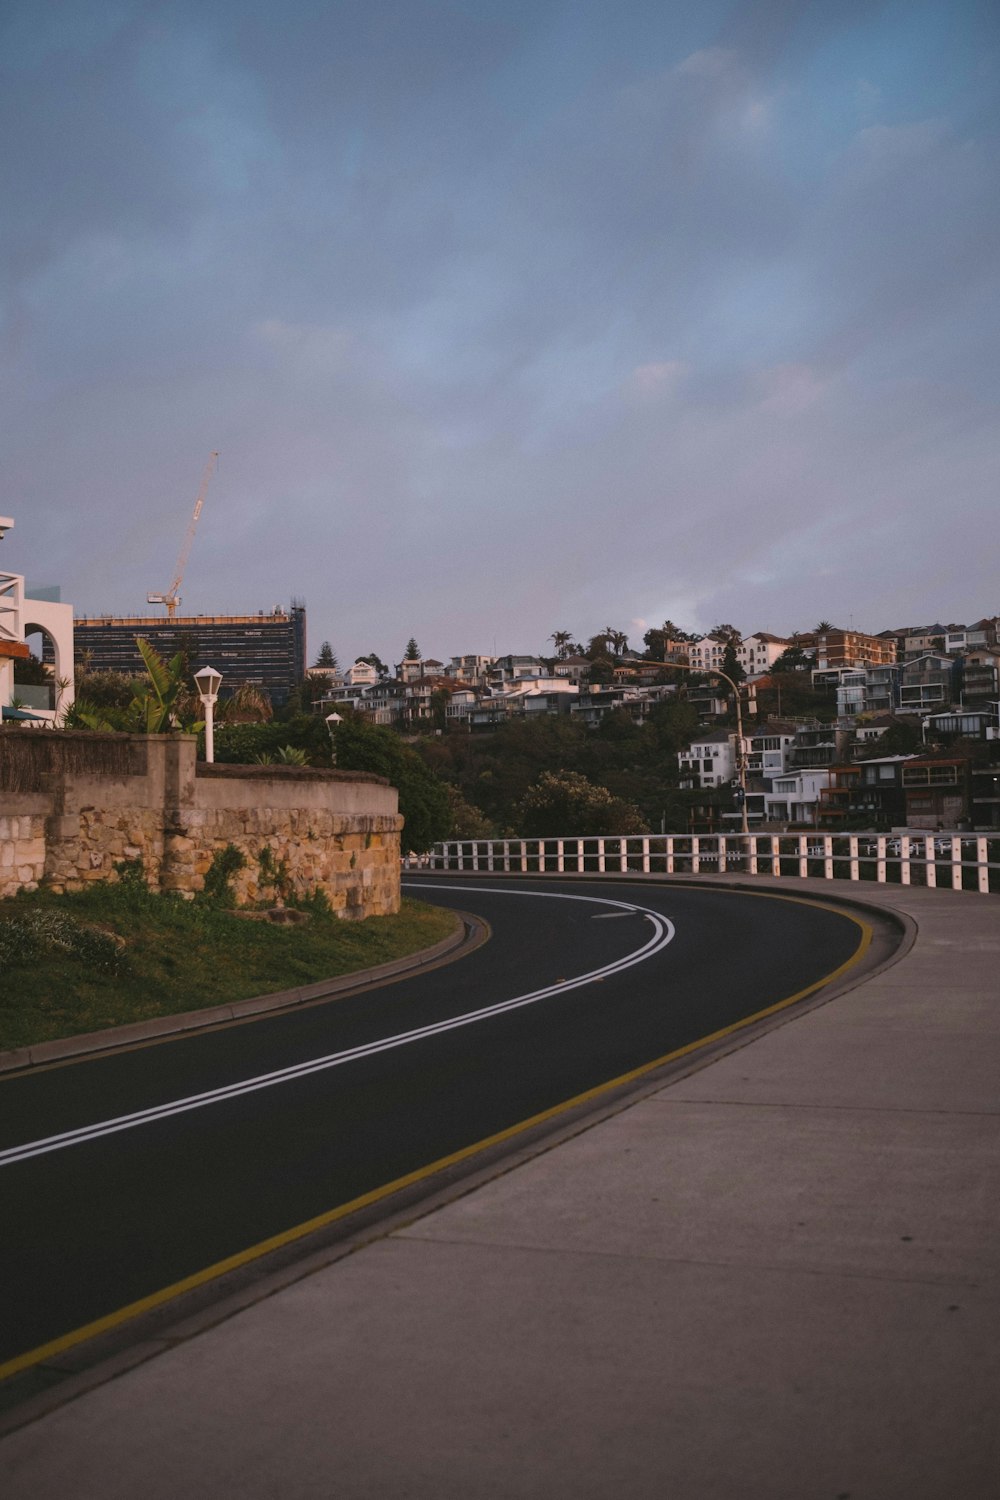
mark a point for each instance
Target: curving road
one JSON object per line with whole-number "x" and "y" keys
{"x": 127, "y": 1178}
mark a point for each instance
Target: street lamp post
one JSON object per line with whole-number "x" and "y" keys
{"x": 332, "y": 720}
{"x": 208, "y": 680}
{"x": 741, "y": 760}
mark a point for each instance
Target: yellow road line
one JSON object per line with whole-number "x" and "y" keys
{"x": 321, "y": 1221}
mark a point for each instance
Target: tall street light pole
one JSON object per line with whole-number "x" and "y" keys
{"x": 741, "y": 760}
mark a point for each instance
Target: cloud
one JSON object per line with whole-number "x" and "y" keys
{"x": 712, "y": 63}
{"x": 503, "y": 321}
{"x": 661, "y": 377}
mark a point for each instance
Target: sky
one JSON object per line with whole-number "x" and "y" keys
{"x": 505, "y": 316}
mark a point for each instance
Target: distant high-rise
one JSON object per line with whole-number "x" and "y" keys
{"x": 267, "y": 650}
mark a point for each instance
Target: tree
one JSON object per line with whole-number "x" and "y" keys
{"x": 564, "y": 803}
{"x": 674, "y": 632}
{"x": 655, "y": 642}
{"x": 377, "y": 663}
{"x": 467, "y": 822}
{"x": 412, "y": 652}
{"x": 423, "y": 798}
{"x": 163, "y": 701}
{"x": 902, "y": 737}
{"x": 823, "y": 625}
{"x": 673, "y": 724}
{"x": 327, "y": 658}
{"x": 248, "y": 705}
{"x": 31, "y": 672}
{"x": 440, "y": 698}
{"x": 105, "y": 689}
{"x": 563, "y": 642}
{"x": 723, "y": 633}
{"x": 242, "y": 744}
{"x": 792, "y": 659}
{"x": 602, "y": 671}
{"x": 731, "y": 664}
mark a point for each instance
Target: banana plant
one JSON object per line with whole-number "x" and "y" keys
{"x": 159, "y": 704}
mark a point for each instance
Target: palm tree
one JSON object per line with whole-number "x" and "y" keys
{"x": 563, "y": 642}
{"x": 248, "y": 705}
{"x": 673, "y": 632}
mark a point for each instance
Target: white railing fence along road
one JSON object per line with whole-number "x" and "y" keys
{"x": 957, "y": 861}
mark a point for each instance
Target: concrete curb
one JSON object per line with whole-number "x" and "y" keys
{"x": 467, "y": 935}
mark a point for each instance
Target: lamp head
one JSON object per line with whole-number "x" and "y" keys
{"x": 208, "y": 680}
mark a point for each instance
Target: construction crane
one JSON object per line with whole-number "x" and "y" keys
{"x": 172, "y": 598}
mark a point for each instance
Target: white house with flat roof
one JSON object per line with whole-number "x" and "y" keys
{"x": 42, "y": 626}
{"x": 709, "y": 760}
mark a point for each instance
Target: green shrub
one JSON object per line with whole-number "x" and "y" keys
{"x": 225, "y": 864}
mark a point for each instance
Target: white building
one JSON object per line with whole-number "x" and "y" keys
{"x": 755, "y": 653}
{"x": 708, "y": 761}
{"x": 474, "y": 670}
{"x": 22, "y": 619}
{"x": 795, "y": 797}
{"x": 769, "y": 747}
{"x": 361, "y": 675}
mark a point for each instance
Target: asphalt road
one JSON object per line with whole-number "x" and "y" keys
{"x": 123, "y": 1175}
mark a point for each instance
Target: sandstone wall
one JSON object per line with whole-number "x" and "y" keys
{"x": 22, "y": 843}
{"x": 299, "y": 830}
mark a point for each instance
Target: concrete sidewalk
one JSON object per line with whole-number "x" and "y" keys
{"x": 773, "y": 1278}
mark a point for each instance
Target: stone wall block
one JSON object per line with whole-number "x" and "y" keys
{"x": 174, "y": 822}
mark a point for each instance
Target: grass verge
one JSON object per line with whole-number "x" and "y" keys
{"x": 112, "y": 954}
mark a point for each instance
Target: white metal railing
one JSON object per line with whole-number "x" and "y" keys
{"x": 956, "y": 861}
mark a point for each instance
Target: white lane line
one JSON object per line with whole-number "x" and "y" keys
{"x": 663, "y": 933}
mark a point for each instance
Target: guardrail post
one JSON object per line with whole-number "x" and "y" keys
{"x": 695, "y": 854}
{"x": 506, "y": 856}
{"x": 720, "y": 845}
{"x": 905, "y": 873}
{"x": 560, "y": 857}
{"x": 880, "y": 865}
{"x": 828, "y": 856}
{"x": 803, "y": 856}
{"x": 930, "y": 867}
{"x": 956, "y": 863}
{"x": 983, "y": 867}
{"x": 852, "y": 850}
